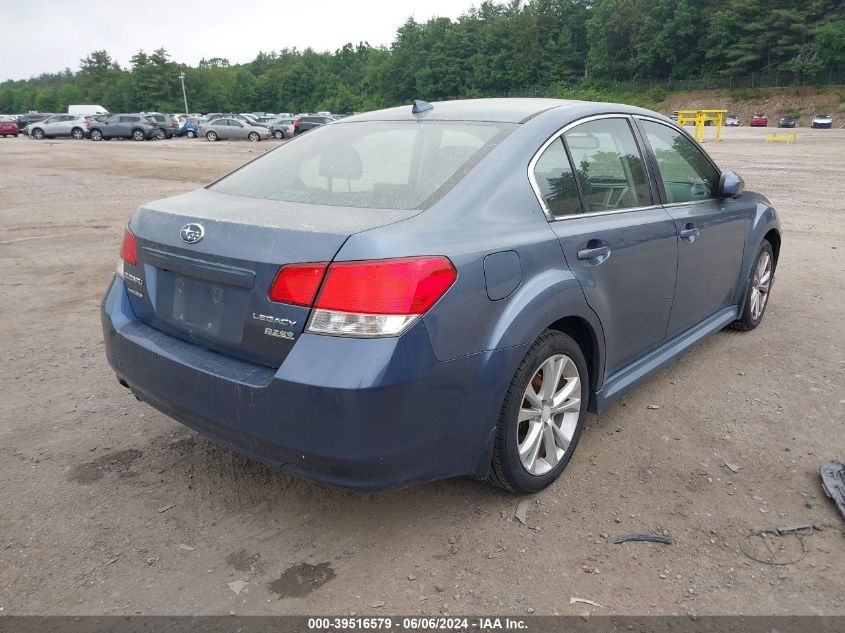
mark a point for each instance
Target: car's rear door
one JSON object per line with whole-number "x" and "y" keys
{"x": 61, "y": 125}
{"x": 616, "y": 237}
{"x": 711, "y": 229}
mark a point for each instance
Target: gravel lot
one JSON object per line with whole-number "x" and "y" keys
{"x": 108, "y": 507}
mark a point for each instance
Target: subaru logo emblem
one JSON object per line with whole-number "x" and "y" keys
{"x": 192, "y": 233}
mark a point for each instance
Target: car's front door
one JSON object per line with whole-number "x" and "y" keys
{"x": 711, "y": 229}
{"x": 237, "y": 129}
{"x": 617, "y": 239}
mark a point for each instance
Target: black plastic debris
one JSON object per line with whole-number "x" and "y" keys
{"x": 833, "y": 482}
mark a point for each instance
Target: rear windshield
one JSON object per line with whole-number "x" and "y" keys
{"x": 374, "y": 164}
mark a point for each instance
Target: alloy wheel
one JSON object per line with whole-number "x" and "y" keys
{"x": 760, "y": 285}
{"x": 548, "y": 416}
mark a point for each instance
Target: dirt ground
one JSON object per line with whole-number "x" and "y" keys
{"x": 108, "y": 507}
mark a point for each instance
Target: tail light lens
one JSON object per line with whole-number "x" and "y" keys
{"x": 128, "y": 251}
{"x": 129, "y": 248}
{"x": 365, "y": 298}
{"x": 298, "y": 283}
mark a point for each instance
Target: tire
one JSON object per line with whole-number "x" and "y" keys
{"x": 211, "y": 135}
{"x": 161, "y": 134}
{"x": 77, "y": 134}
{"x": 191, "y": 134}
{"x": 37, "y": 134}
{"x": 139, "y": 135}
{"x": 514, "y": 430}
{"x": 759, "y": 287}
{"x": 278, "y": 135}
{"x": 254, "y": 136}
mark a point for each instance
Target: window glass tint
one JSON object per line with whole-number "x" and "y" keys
{"x": 686, "y": 174}
{"x": 556, "y": 182}
{"x": 608, "y": 164}
{"x": 377, "y": 164}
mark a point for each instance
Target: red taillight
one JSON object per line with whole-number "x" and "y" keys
{"x": 296, "y": 123}
{"x": 129, "y": 248}
{"x": 391, "y": 286}
{"x": 298, "y": 283}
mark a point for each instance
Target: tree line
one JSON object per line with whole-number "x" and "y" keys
{"x": 548, "y": 47}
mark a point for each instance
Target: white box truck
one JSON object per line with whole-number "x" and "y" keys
{"x": 86, "y": 110}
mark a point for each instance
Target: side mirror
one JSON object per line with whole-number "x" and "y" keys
{"x": 730, "y": 184}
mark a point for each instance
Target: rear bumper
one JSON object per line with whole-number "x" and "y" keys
{"x": 365, "y": 414}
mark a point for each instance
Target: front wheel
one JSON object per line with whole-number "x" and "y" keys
{"x": 759, "y": 286}
{"x": 254, "y": 136}
{"x": 37, "y": 134}
{"x": 542, "y": 415}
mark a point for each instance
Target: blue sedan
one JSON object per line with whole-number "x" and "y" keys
{"x": 436, "y": 290}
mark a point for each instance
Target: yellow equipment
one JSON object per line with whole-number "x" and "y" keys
{"x": 700, "y": 117}
{"x": 773, "y": 137}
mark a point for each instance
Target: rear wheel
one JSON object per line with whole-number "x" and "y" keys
{"x": 161, "y": 134}
{"x": 191, "y": 134}
{"x": 211, "y": 135}
{"x": 759, "y": 285}
{"x": 278, "y": 135}
{"x": 138, "y": 135}
{"x": 77, "y": 134}
{"x": 542, "y": 415}
{"x": 37, "y": 134}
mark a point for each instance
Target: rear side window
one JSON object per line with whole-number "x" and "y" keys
{"x": 608, "y": 165}
{"x": 686, "y": 173}
{"x": 556, "y": 181}
{"x": 373, "y": 164}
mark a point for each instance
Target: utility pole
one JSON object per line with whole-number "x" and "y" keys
{"x": 184, "y": 95}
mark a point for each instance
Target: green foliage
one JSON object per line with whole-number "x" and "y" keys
{"x": 588, "y": 49}
{"x": 748, "y": 94}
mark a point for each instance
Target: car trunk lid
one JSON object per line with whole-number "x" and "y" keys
{"x": 206, "y": 261}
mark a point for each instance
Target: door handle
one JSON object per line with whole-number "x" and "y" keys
{"x": 593, "y": 252}
{"x": 689, "y": 232}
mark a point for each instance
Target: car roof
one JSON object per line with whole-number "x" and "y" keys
{"x": 515, "y": 110}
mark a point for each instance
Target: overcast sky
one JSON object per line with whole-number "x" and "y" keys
{"x": 50, "y": 36}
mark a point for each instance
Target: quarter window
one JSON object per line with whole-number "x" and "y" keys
{"x": 556, "y": 182}
{"x": 686, "y": 173}
{"x": 608, "y": 165}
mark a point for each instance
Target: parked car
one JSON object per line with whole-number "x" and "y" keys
{"x": 8, "y": 127}
{"x": 759, "y": 120}
{"x": 232, "y": 129}
{"x": 136, "y": 126}
{"x": 305, "y": 123}
{"x": 787, "y": 121}
{"x": 315, "y": 310}
{"x": 191, "y": 127}
{"x": 168, "y": 126}
{"x": 240, "y": 117}
{"x": 72, "y": 125}
{"x": 281, "y": 128}
{"x": 822, "y": 121}
{"x": 732, "y": 120}
{"x": 25, "y": 119}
